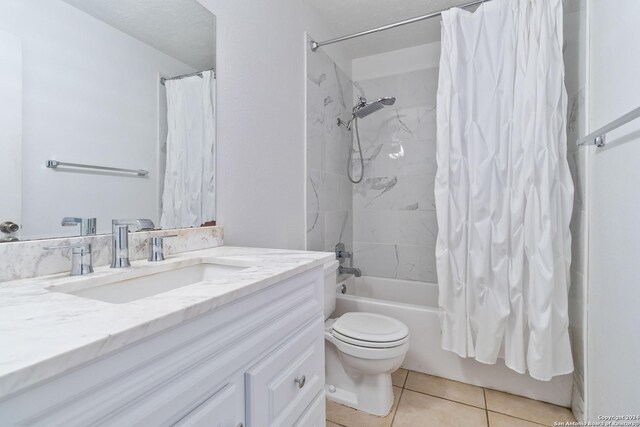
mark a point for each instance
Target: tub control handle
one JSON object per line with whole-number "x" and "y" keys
{"x": 300, "y": 381}
{"x": 343, "y": 289}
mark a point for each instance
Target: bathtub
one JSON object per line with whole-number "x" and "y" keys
{"x": 416, "y": 304}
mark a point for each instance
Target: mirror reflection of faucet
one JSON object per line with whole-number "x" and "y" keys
{"x": 87, "y": 225}
{"x": 7, "y": 228}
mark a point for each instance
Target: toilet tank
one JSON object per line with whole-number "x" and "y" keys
{"x": 330, "y": 277}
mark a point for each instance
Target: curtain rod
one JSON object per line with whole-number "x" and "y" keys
{"x": 315, "y": 45}
{"x": 197, "y": 73}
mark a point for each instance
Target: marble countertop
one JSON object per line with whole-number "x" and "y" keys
{"x": 45, "y": 333}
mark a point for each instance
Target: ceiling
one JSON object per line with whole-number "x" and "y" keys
{"x": 351, "y": 16}
{"x": 182, "y": 29}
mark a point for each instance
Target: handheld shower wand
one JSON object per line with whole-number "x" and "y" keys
{"x": 361, "y": 110}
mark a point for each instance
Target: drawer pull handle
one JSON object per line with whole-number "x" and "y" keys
{"x": 300, "y": 381}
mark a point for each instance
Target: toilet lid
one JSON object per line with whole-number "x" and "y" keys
{"x": 370, "y": 327}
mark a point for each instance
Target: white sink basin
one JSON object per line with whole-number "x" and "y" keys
{"x": 121, "y": 291}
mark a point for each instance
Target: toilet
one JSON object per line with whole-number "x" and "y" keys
{"x": 361, "y": 352}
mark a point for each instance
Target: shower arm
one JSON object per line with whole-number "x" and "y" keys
{"x": 362, "y": 101}
{"x": 346, "y": 124}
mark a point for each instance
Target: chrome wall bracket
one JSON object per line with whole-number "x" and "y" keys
{"x": 598, "y": 137}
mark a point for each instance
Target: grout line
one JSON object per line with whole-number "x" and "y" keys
{"x": 486, "y": 410}
{"x": 397, "y": 406}
{"x": 444, "y": 398}
{"x": 406, "y": 377}
{"x": 517, "y": 418}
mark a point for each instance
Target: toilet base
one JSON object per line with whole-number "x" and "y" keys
{"x": 371, "y": 393}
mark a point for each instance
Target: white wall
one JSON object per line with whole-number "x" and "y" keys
{"x": 415, "y": 58}
{"x": 261, "y": 118}
{"x": 89, "y": 96}
{"x": 613, "y": 370}
{"x": 575, "y": 62}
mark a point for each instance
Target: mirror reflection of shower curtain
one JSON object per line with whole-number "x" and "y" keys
{"x": 188, "y": 199}
{"x": 503, "y": 189}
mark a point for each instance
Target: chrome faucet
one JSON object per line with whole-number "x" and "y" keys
{"x": 349, "y": 270}
{"x": 156, "y": 247}
{"x": 87, "y": 225}
{"x": 120, "y": 239}
{"x": 80, "y": 258}
{"x": 341, "y": 255}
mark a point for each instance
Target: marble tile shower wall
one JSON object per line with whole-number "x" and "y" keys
{"x": 575, "y": 50}
{"x": 394, "y": 210}
{"x": 329, "y": 192}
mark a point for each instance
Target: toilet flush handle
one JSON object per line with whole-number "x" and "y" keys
{"x": 300, "y": 381}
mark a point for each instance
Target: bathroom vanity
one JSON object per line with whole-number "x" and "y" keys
{"x": 238, "y": 342}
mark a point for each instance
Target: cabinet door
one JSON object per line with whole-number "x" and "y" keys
{"x": 283, "y": 384}
{"x": 315, "y": 415}
{"x": 225, "y": 408}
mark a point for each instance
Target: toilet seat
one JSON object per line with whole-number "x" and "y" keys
{"x": 368, "y": 344}
{"x": 387, "y": 337}
{"x": 370, "y": 330}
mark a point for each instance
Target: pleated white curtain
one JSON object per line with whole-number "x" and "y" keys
{"x": 188, "y": 199}
{"x": 503, "y": 189}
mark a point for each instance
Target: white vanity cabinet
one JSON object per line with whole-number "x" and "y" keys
{"x": 224, "y": 408}
{"x": 255, "y": 361}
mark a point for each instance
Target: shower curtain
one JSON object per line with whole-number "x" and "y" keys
{"x": 503, "y": 190}
{"x": 188, "y": 199}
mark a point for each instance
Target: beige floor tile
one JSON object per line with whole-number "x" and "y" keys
{"x": 421, "y": 410}
{"x": 500, "y": 420}
{"x": 447, "y": 389}
{"x": 528, "y": 409}
{"x": 350, "y": 417}
{"x": 330, "y": 424}
{"x": 398, "y": 377}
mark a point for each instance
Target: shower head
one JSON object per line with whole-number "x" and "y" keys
{"x": 363, "y": 109}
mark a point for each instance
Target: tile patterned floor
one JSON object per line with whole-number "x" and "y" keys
{"x": 425, "y": 400}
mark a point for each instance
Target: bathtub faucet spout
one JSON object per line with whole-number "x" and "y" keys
{"x": 349, "y": 270}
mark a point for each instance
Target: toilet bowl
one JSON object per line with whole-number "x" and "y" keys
{"x": 361, "y": 352}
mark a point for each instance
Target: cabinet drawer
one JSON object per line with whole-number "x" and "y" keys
{"x": 283, "y": 384}
{"x": 225, "y": 408}
{"x": 315, "y": 415}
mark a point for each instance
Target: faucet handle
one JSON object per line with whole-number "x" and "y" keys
{"x": 80, "y": 247}
{"x": 81, "y": 262}
{"x": 156, "y": 247}
{"x": 341, "y": 252}
{"x": 87, "y": 225}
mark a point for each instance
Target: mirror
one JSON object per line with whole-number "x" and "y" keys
{"x": 83, "y": 85}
